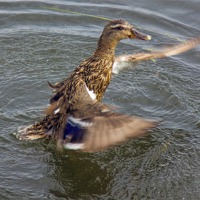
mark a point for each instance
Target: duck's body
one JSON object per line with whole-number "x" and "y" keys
{"x": 76, "y": 117}
{"x": 96, "y": 79}
{"x": 76, "y": 114}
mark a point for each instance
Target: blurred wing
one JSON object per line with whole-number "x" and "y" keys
{"x": 113, "y": 128}
{"x": 165, "y": 52}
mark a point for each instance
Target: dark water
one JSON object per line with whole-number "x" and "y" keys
{"x": 37, "y": 44}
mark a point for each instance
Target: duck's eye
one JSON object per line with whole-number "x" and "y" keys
{"x": 120, "y": 28}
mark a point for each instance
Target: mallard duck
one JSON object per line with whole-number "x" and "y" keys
{"x": 76, "y": 116}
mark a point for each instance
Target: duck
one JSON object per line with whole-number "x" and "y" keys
{"x": 76, "y": 116}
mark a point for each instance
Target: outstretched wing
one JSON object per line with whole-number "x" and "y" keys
{"x": 114, "y": 128}
{"x": 97, "y": 127}
{"x": 92, "y": 126}
{"x": 165, "y": 52}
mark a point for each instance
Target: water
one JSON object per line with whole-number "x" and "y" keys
{"x": 37, "y": 45}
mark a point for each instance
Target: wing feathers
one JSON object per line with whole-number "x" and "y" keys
{"x": 165, "y": 52}
{"x": 109, "y": 131}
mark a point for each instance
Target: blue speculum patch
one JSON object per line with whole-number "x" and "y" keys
{"x": 74, "y": 131}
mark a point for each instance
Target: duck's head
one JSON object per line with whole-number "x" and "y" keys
{"x": 115, "y": 31}
{"x": 121, "y": 29}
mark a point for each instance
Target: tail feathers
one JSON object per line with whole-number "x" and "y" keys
{"x": 41, "y": 129}
{"x": 27, "y": 133}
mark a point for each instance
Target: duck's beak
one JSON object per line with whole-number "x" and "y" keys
{"x": 138, "y": 35}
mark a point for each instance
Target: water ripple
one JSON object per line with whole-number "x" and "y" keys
{"x": 38, "y": 44}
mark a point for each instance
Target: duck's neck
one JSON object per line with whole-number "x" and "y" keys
{"x": 106, "y": 47}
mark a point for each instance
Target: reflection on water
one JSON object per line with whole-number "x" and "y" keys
{"x": 38, "y": 45}
{"x": 90, "y": 178}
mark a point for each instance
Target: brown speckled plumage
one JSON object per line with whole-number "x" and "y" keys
{"x": 72, "y": 97}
